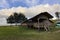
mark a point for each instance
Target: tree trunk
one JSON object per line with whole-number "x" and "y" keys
{"x": 15, "y": 24}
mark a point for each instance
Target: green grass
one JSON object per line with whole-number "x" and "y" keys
{"x": 23, "y": 33}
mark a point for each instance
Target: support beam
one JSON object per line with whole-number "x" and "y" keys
{"x": 38, "y": 25}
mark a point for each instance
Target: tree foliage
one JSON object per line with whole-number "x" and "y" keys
{"x": 16, "y": 18}
{"x": 57, "y": 14}
{"x": 21, "y": 17}
{"x": 10, "y": 19}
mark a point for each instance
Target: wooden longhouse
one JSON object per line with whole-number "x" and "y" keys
{"x": 41, "y": 20}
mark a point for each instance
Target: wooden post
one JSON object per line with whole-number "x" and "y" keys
{"x": 45, "y": 26}
{"x": 38, "y": 25}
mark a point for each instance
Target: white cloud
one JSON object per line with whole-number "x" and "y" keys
{"x": 4, "y": 4}
{"x": 8, "y": 12}
{"x": 43, "y": 8}
{"x": 32, "y": 11}
{"x": 32, "y": 2}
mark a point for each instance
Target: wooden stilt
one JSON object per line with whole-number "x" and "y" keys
{"x": 38, "y": 25}
{"x": 45, "y": 26}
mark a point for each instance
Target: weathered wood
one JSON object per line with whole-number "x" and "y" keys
{"x": 44, "y": 24}
{"x": 41, "y": 20}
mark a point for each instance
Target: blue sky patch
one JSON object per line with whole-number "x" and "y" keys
{"x": 25, "y": 3}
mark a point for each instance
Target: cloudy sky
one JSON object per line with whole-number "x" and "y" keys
{"x": 28, "y": 7}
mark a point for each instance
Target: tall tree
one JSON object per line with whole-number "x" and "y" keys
{"x": 57, "y": 14}
{"x": 16, "y": 18}
{"x": 10, "y": 19}
{"x": 21, "y": 17}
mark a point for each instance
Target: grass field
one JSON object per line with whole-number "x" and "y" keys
{"x": 23, "y": 33}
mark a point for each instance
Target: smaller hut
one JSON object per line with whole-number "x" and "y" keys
{"x": 41, "y": 20}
